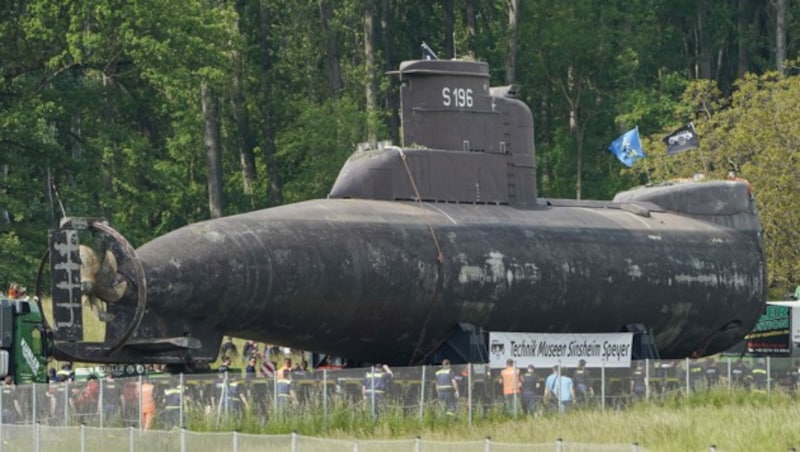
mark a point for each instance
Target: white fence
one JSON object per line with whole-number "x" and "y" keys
{"x": 35, "y": 438}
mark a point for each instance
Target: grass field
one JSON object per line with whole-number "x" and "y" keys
{"x": 730, "y": 420}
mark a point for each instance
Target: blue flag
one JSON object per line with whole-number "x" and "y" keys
{"x": 627, "y": 147}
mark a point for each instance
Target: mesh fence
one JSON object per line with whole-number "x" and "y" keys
{"x": 131, "y": 412}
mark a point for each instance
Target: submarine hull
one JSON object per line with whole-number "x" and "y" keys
{"x": 388, "y": 281}
{"x": 443, "y": 235}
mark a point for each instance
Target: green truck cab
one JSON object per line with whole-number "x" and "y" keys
{"x": 24, "y": 341}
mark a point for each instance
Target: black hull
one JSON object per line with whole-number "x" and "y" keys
{"x": 388, "y": 281}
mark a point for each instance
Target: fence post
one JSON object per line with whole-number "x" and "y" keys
{"x": 222, "y": 402}
{"x": 769, "y": 374}
{"x": 183, "y": 440}
{"x": 66, "y": 403}
{"x": 372, "y": 392}
{"x": 130, "y": 437}
{"x": 417, "y": 444}
{"x": 325, "y": 395}
{"x": 730, "y": 375}
{"x": 688, "y": 387}
{"x": 635, "y": 447}
{"x": 294, "y": 442}
{"x": 469, "y": 392}
{"x": 100, "y": 403}
{"x": 235, "y": 441}
{"x": 1, "y": 421}
{"x": 603, "y": 385}
{"x": 37, "y": 445}
{"x": 647, "y": 378}
{"x": 355, "y": 445}
{"x": 559, "y": 445}
{"x": 516, "y": 389}
{"x": 140, "y": 403}
{"x": 275, "y": 391}
{"x": 180, "y": 408}
{"x": 33, "y": 402}
{"x": 487, "y": 444}
{"x": 422, "y": 394}
{"x": 83, "y": 437}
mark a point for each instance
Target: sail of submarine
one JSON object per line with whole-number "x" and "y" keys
{"x": 447, "y": 230}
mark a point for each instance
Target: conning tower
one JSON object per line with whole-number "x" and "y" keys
{"x": 463, "y": 142}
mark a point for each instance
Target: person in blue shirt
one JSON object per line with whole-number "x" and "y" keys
{"x": 559, "y": 389}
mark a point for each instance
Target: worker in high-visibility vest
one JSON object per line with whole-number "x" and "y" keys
{"x": 447, "y": 387}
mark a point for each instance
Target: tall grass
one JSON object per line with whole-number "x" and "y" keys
{"x": 730, "y": 420}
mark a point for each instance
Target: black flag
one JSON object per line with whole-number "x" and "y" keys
{"x": 681, "y": 140}
{"x": 428, "y": 53}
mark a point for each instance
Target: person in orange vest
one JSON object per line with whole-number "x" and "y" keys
{"x": 511, "y": 379}
{"x": 145, "y": 392}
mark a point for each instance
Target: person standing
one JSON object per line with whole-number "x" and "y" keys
{"x": 447, "y": 387}
{"x": 250, "y": 349}
{"x": 696, "y": 374}
{"x": 638, "y": 383}
{"x": 146, "y": 394}
{"x": 794, "y": 377}
{"x": 112, "y": 399}
{"x": 250, "y": 370}
{"x": 84, "y": 400}
{"x": 530, "y": 384}
{"x": 173, "y": 401}
{"x": 759, "y": 375}
{"x": 237, "y": 402}
{"x": 11, "y": 409}
{"x": 304, "y": 380}
{"x": 739, "y": 374}
{"x": 286, "y": 394}
{"x": 511, "y": 379}
{"x": 582, "y": 380}
{"x": 228, "y": 348}
{"x": 376, "y": 381}
{"x": 225, "y": 366}
{"x": 559, "y": 389}
{"x": 712, "y": 372}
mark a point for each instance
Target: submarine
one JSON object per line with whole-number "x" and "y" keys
{"x": 421, "y": 249}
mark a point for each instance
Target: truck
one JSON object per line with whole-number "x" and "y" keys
{"x": 777, "y": 332}
{"x": 24, "y": 341}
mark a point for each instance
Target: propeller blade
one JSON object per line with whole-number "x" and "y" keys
{"x": 97, "y": 306}
{"x": 108, "y": 288}
{"x": 89, "y": 267}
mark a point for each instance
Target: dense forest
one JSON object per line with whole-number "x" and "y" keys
{"x": 155, "y": 114}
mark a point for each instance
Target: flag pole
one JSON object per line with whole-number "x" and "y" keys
{"x": 646, "y": 166}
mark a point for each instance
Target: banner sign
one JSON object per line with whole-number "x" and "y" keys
{"x": 772, "y": 334}
{"x": 546, "y": 350}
